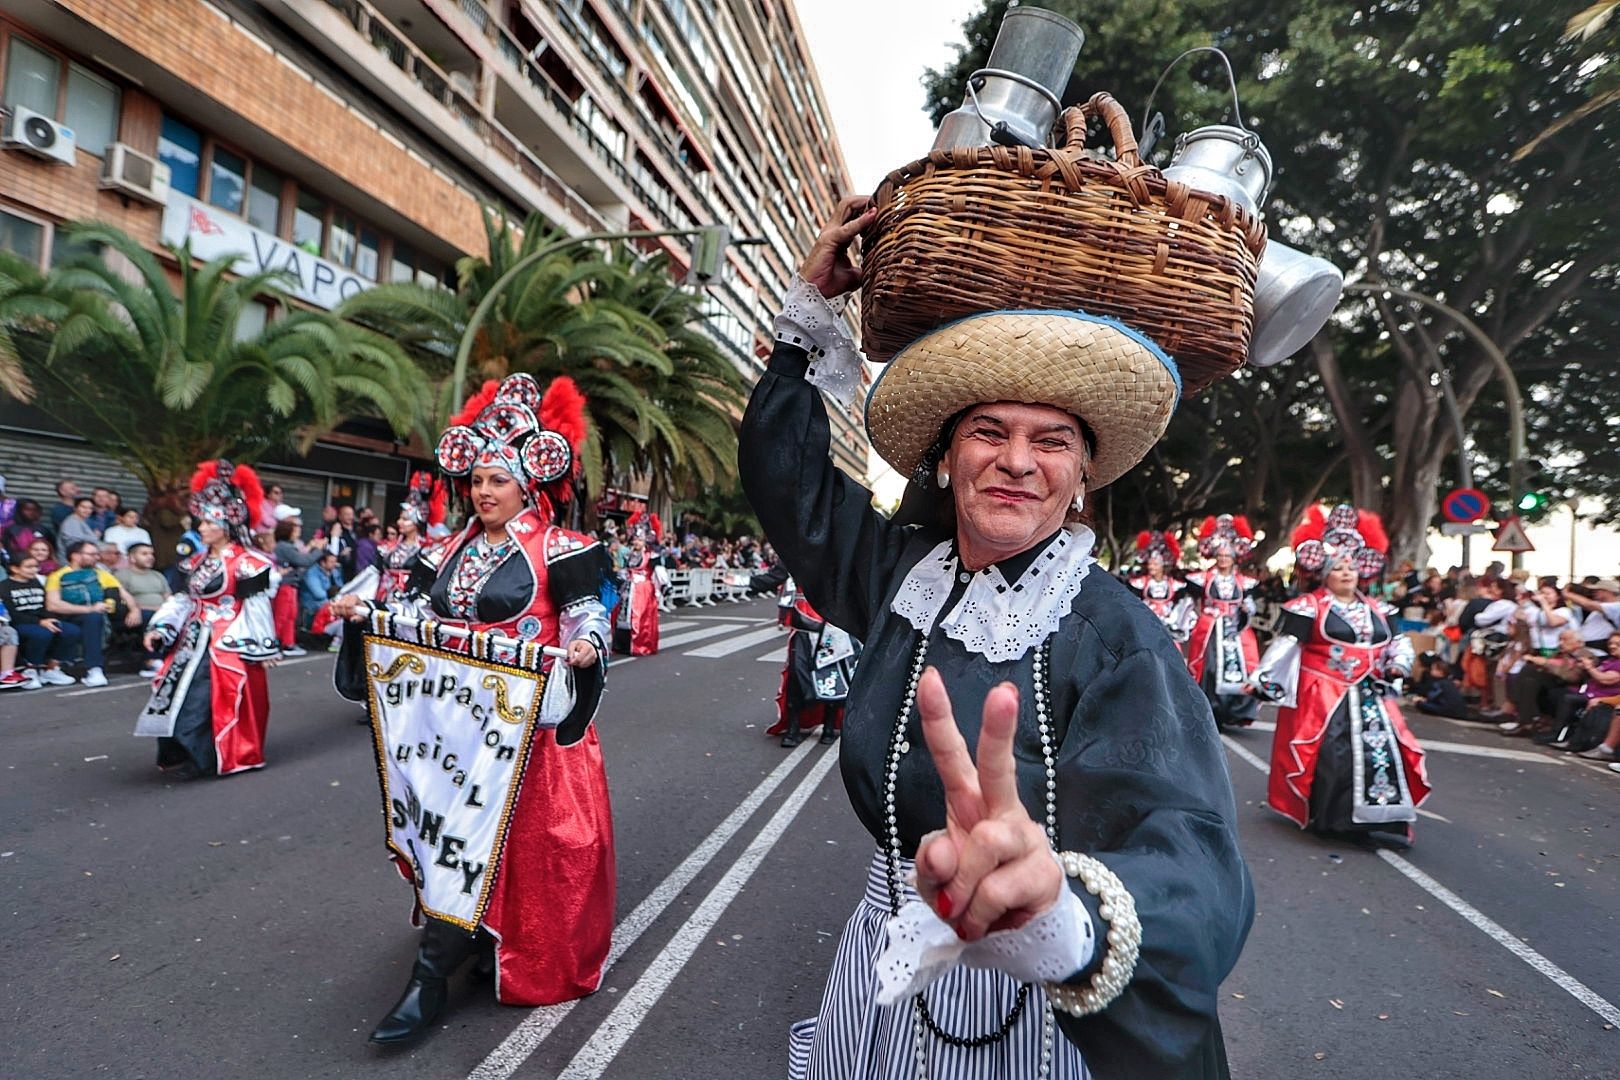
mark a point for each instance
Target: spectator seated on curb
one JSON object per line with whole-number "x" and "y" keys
{"x": 147, "y": 589}
{"x": 43, "y": 552}
{"x": 67, "y": 493}
{"x": 1435, "y": 692}
{"x": 27, "y": 525}
{"x": 321, "y": 583}
{"x": 1542, "y": 682}
{"x": 127, "y": 531}
{"x": 43, "y": 642}
{"x": 77, "y": 528}
{"x": 11, "y": 676}
{"x": 82, "y": 594}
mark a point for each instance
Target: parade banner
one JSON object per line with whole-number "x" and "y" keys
{"x": 452, "y": 734}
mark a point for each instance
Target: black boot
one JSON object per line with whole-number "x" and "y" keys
{"x": 444, "y": 949}
{"x": 792, "y": 737}
{"x": 829, "y": 724}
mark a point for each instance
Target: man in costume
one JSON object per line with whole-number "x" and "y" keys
{"x": 1343, "y": 761}
{"x": 1158, "y": 554}
{"x": 986, "y": 623}
{"x": 1222, "y": 649}
{"x": 512, "y": 581}
{"x": 210, "y": 704}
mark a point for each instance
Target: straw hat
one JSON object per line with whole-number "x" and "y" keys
{"x": 1112, "y": 377}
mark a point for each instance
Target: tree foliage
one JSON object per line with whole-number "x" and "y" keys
{"x": 1394, "y": 127}
{"x": 661, "y": 395}
{"x": 161, "y": 377}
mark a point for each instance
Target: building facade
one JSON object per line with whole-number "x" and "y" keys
{"x": 355, "y": 141}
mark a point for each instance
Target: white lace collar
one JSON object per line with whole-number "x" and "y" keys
{"x": 998, "y": 619}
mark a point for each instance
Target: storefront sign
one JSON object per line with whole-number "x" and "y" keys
{"x": 214, "y": 233}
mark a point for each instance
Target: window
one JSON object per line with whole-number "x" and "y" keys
{"x": 340, "y": 240}
{"x": 92, "y": 110}
{"x": 366, "y": 257}
{"x": 264, "y": 200}
{"x": 412, "y": 265}
{"x": 309, "y": 222}
{"x": 23, "y": 237}
{"x": 32, "y": 77}
{"x": 180, "y": 148}
{"x": 227, "y": 180}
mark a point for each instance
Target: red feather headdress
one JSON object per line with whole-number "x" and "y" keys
{"x": 229, "y": 496}
{"x": 1228, "y": 533}
{"x": 1343, "y": 535}
{"x": 1150, "y": 542}
{"x": 511, "y": 425}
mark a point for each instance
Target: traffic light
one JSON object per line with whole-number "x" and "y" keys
{"x": 1532, "y": 503}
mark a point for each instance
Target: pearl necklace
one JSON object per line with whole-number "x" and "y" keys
{"x": 921, "y": 1022}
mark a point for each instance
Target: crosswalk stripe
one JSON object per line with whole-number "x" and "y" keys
{"x": 698, "y": 634}
{"x": 734, "y": 644}
{"x": 773, "y": 657}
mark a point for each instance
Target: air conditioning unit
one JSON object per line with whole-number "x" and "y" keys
{"x": 128, "y": 170}
{"x": 37, "y": 134}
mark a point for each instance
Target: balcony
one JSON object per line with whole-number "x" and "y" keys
{"x": 440, "y": 94}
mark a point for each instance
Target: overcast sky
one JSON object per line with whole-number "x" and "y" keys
{"x": 870, "y": 56}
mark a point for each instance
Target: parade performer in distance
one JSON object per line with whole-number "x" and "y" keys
{"x": 210, "y": 703}
{"x": 513, "y": 571}
{"x": 987, "y": 625}
{"x": 1343, "y": 761}
{"x": 424, "y": 507}
{"x": 1222, "y": 650}
{"x": 636, "y": 622}
{"x": 1164, "y": 594}
{"x": 821, "y": 661}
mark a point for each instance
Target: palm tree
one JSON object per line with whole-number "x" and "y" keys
{"x": 660, "y": 394}
{"x": 161, "y": 379}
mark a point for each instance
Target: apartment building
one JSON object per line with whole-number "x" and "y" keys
{"x": 354, "y": 141}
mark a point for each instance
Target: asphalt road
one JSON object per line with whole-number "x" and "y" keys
{"x": 252, "y": 926}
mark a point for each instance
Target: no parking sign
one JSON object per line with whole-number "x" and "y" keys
{"x": 1464, "y": 505}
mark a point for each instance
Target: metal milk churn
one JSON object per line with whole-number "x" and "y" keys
{"x": 1013, "y": 100}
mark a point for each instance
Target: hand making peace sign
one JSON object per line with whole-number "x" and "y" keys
{"x": 991, "y": 868}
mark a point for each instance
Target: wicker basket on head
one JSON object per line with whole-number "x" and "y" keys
{"x": 976, "y": 229}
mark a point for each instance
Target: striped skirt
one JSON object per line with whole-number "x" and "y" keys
{"x": 854, "y": 1038}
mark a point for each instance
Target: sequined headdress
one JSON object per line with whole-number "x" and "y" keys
{"x": 510, "y": 425}
{"x": 424, "y": 500}
{"x": 1344, "y": 535}
{"x": 1151, "y": 544}
{"x": 228, "y": 495}
{"x": 1228, "y": 534}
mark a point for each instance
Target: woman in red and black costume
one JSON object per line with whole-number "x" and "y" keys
{"x": 1343, "y": 761}
{"x": 424, "y": 506}
{"x": 636, "y": 621}
{"x": 1158, "y": 554}
{"x": 821, "y": 661}
{"x": 511, "y": 570}
{"x": 210, "y": 703}
{"x": 1222, "y": 650}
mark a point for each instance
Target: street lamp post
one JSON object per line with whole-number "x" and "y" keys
{"x": 464, "y": 348}
{"x": 1510, "y": 382}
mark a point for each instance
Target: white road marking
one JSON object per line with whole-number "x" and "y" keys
{"x": 733, "y": 644}
{"x": 777, "y": 655}
{"x": 1466, "y": 749}
{"x": 698, "y": 634}
{"x": 1557, "y": 975}
{"x": 147, "y": 686}
{"x": 604, "y": 1044}
{"x": 515, "y": 1049}
{"x": 739, "y": 617}
{"x": 1491, "y": 929}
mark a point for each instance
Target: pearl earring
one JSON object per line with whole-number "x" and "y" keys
{"x": 1079, "y": 501}
{"x": 943, "y": 479}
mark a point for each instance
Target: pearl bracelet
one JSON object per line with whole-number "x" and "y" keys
{"x": 1118, "y": 909}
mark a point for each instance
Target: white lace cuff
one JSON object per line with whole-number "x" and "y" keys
{"x": 815, "y": 324}
{"x": 920, "y": 947}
